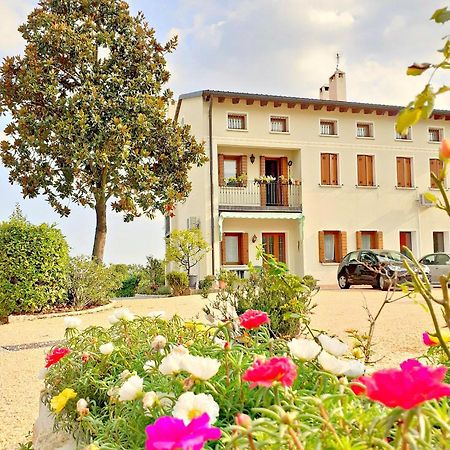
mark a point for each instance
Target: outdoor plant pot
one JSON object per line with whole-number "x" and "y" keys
{"x": 192, "y": 281}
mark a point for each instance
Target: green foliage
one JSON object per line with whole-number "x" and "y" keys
{"x": 33, "y": 266}
{"x": 422, "y": 106}
{"x": 320, "y": 410}
{"x": 178, "y": 282}
{"x": 285, "y": 297}
{"x": 186, "y": 248}
{"x": 129, "y": 286}
{"x": 205, "y": 285}
{"x": 91, "y": 283}
{"x": 152, "y": 276}
{"x": 90, "y": 129}
{"x": 163, "y": 290}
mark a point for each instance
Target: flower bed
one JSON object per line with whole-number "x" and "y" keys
{"x": 150, "y": 383}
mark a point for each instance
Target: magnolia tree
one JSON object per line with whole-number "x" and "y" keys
{"x": 88, "y": 114}
{"x": 186, "y": 247}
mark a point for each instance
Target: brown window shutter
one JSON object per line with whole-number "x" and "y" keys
{"x": 369, "y": 170}
{"x": 361, "y": 171}
{"x": 243, "y": 168}
{"x": 325, "y": 168}
{"x": 244, "y": 248}
{"x": 379, "y": 240}
{"x": 408, "y": 172}
{"x": 435, "y": 167}
{"x": 222, "y": 250}
{"x": 220, "y": 162}
{"x": 262, "y": 187}
{"x": 343, "y": 247}
{"x": 284, "y": 166}
{"x": 400, "y": 173}
{"x": 284, "y": 187}
{"x": 358, "y": 240}
{"x": 334, "y": 169}
{"x": 321, "y": 246}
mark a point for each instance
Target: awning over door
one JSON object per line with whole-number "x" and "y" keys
{"x": 261, "y": 215}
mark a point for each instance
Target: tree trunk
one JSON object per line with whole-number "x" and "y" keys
{"x": 100, "y": 230}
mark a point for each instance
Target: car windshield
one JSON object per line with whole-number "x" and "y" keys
{"x": 391, "y": 256}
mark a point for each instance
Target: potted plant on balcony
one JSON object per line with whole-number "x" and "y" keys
{"x": 264, "y": 179}
{"x": 238, "y": 181}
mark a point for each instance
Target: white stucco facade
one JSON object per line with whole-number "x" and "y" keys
{"x": 344, "y": 206}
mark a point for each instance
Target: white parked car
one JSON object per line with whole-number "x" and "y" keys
{"x": 439, "y": 264}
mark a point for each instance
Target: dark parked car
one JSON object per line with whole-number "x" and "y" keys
{"x": 374, "y": 267}
{"x": 438, "y": 263}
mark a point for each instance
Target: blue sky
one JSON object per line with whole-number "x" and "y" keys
{"x": 282, "y": 47}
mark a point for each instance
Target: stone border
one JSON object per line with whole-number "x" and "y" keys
{"x": 26, "y": 317}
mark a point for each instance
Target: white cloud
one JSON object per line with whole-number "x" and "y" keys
{"x": 330, "y": 18}
{"x": 13, "y": 14}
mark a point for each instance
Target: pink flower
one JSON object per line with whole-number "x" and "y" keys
{"x": 170, "y": 433}
{"x": 265, "y": 373}
{"x": 252, "y": 318}
{"x": 406, "y": 387}
{"x": 432, "y": 340}
{"x": 55, "y": 355}
{"x": 427, "y": 341}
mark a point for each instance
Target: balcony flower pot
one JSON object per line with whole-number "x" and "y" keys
{"x": 193, "y": 281}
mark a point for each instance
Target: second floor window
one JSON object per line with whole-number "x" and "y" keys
{"x": 237, "y": 122}
{"x": 404, "y": 172}
{"x": 404, "y": 137}
{"x": 279, "y": 124}
{"x": 364, "y": 130}
{"x": 435, "y": 134}
{"x": 329, "y": 169}
{"x": 328, "y": 127}
{"x": 365, "y": 170}
{"x": 435, "y": 167}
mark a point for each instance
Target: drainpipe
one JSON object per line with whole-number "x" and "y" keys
{"x": 211, "y": 179}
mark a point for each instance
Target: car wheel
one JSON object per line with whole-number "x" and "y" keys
{"x": 383, "y": 283}
{"x": 343, "y": 281}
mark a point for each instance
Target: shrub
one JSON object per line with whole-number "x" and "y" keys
{"x": 178, "y": 282}
{"x": 163, "y": 290}
{"x": 205, "y": 285}
{"x": 152, "y": 276}
{"x": 91, "y": 283}
{"x": 129, "y": 286}
{"x": 33, "y": 266}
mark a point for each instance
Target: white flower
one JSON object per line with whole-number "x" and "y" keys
{"x": 172, "y": 364}
{"x": 112, "y": 319}
{"x": 156, "y": 314}
{"x": 200, "y": 367}
{"x": 150, "y": 398}
{"x": 189, "y": 406}
{"x": 180, "y": 350}
{"x": 131, "y": 389}
{"x": 304, "y": 349}
{"x": 72, "y": 322}
{"x": 82, "y": 407}
{"x": 124, "y": 314}
{"x": 354, "y": 368}
{"x": 220, "y": 342}
{"x": 149, "y": 365}
{"x": 332, "y": 345}
{"x": 106, "y": 349}
{"x": 159, "y": 342}
{"x": 125, "y": 374}
{"x": 41, "y": 374}
{"x": 331, "y": 364}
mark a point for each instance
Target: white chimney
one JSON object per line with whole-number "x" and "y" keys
{"x": 325, "y": 92}
{"x": 338, "y": 90}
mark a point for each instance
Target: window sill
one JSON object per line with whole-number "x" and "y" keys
{"x": 403, "y": 140}
{"x": 365, "y": 137}
{"x": 434, "y": 142}
{"x": 279, "y": 132}
{"x": 237, "y": 129}
{"x": 329, "y": 135}
{"x": 366, "y": 187}
{"x": 406, "y": 188}
{"x": 330, "y": 185}
{"x": 437, "y": 189}
{"x": 330, "y": 263}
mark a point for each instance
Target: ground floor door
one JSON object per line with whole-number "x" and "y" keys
{"x": 275, "y": 244}
{"x": 405, "y": 240}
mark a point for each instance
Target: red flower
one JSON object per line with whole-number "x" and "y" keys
{"x": 444, "y": 149}
{"x": 265, "y": 373}
{"x": 85, "y": 357}
{"x": 406, "y": 387}
{"x": 252, "y": 318}
{"x": 55, "y": 355}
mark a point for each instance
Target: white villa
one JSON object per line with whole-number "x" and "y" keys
{"x": 309, "y": 179}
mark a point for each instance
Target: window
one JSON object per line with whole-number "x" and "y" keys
{"x": 275, "y": 244}
{"x": 232, "y": 170}
{"x": 329, "y": 169}
{"x": 405, "y": 240}
{"x": 438, "y": 241}
{"x": 365, "y": 170}
{"x": 404, "y": 137}
{"x": 435, "y": 134}
{"x": 237, "y": 122}
{"x": 435, "y": 167}
{"x": 364, "y": 129}
{"x": 328, "y": 127}
{"x": 279, "y": 124}
{"x": 404, "y": 172}
{"x": 235, "y": 249}
{"x": 366, "y": 240}
{"x": 230, "y": 167}
{"x": 332, "y": 246}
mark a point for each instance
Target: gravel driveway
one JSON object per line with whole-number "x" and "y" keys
{"x": 398, "y": 337}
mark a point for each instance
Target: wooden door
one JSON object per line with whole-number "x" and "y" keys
{"x": 405, "y": 240}
{"x": 275, "y": 244}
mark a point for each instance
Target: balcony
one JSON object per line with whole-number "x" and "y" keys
{"x": 271, "y": 196}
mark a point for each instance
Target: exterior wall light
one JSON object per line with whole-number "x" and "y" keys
{"x": 254, "y": 238}
{"x": 290, "y": 162}
{"x": 252, "y": 158}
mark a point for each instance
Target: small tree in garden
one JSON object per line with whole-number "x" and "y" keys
{"x": 186, "y": 247}
{"x": 89, "y": 114}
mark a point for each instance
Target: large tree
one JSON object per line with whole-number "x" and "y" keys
{"x": 88, "y": 112}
